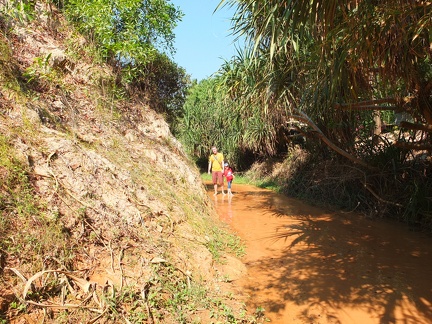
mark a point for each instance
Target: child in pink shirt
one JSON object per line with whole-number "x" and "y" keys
{"x": 229, "y": 175}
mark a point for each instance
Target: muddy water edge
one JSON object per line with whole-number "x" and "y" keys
{"x": 307, "y": 265}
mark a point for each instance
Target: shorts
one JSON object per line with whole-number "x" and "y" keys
{"x": 217, "y": 178}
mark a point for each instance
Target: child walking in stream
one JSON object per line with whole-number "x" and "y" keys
{"x": 229, "y": 175}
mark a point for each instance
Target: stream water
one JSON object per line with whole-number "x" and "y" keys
{"x": 308, "y": 265}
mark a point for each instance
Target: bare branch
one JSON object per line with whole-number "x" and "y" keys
{"x": 414, "y": 146}
{"x": 374, "y": 104}
{"x": 412, "y": 126}
{"x": 304, "y": 118}
{"x": 369, "y": 107}
{"x": 371, "y": 102}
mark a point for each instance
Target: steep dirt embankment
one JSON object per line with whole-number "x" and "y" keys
{"x": 99, "y": 203}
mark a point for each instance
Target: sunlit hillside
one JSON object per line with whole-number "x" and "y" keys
{"x": 103, "y": 218}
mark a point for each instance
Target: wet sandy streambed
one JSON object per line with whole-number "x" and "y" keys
{"x": 306, "y": 265}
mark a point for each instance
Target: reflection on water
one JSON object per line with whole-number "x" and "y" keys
{"x": 225, "y": 203}
{"x": 310, "y": 266}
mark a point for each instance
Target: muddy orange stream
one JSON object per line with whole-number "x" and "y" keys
{"x": 306, "y": 265}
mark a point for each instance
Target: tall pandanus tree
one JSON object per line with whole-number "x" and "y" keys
{"x": 391, "y": 41}
{"x": 286, "y": 76}
{"x": 252, "y": 104}
{"x": 340, "y": 59}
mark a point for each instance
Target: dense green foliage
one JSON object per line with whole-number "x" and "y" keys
{"x": 135, "y": 36}
{"x": 162, "y": 84}
{"x": 127, "y": 31}
{"x": 353, "y": 79}
{"x": 207, "y": 120}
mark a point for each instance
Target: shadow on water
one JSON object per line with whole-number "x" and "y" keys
{"x": 309, "y": 266}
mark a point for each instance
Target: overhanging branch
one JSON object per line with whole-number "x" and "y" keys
{"x": 412, "y": 126}
{"x": 301, "y": 116}
{"x": 376, "y": 104}
{"x": 414, "y": 146}
{"x": 369, "y": 107}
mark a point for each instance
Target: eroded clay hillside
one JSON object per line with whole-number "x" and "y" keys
{"x": 103, "y": 217}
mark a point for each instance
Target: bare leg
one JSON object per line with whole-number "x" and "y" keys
{"x": 215, "y": 189}
{"x": 223, "y": 193}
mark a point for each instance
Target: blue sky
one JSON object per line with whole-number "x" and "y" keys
{"x": 203, "y": 38}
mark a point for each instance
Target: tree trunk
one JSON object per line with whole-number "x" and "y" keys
{"x": 377, "y": 126}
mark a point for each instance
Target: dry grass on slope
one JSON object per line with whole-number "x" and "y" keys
{"x": 97, "y": 221}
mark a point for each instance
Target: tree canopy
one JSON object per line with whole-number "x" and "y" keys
{"x": 137, "y": 38}
{"x": 128, "y": 31}
{"x": 331, "y": 64}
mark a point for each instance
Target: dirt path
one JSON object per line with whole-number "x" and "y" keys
{"x": 306, "y": 265}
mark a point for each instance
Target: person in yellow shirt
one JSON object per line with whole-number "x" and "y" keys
{"x": 216, "y": 162}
